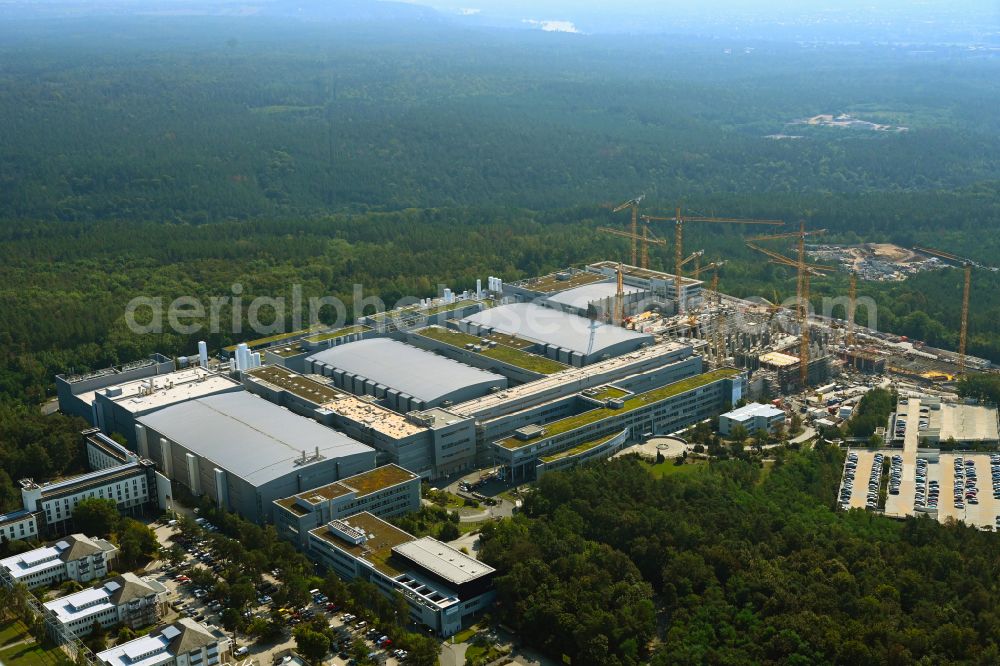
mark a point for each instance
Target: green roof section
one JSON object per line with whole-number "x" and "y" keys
{"x": 339, "y": 333}
{"x": 577, "y": 450}
{"x": 632, "y": 403}
{"x": 502, "y": 353}
{"x": 263, "y": 342}
{"x": 417, "y": 309}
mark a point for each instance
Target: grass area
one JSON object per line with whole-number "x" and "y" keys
{"x": 466, "y": 634}
{"x": 502, "y": 352}
{"x": 339, "y": 333}
{"x": 634, "y": 402}
{"x": 668, "y": 468}
{"x": 445, "y": 499}
{"x": 580, "y": 448}
{"x": 477, "y": 654}
{"x": 29, "y": 653}
{"x": 11, "y": 631}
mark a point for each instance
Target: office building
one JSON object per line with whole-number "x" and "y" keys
{"x": 753, "y": 416}
{"x": 184, "y": 643}
{"x": 613, "y": 410}
{"x": 76, "y": 557}
{"x": 443, "y": 587}
{"x": 124, "y": 600}
{"x": 384, "y": 491}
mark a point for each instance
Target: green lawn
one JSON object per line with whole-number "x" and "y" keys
{"x": 29, "y": 653}
{"x": 668, "y": 468}
{"x": 466, "y": 634}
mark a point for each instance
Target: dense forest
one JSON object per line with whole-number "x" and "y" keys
{"x": 739, "y": 565}
{"x": 180, "y": 156}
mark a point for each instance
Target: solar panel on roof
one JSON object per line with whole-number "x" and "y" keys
{"x": 62, "y": 545}
{"x": 171, "y": 632}
{"x": 112, "y": 586}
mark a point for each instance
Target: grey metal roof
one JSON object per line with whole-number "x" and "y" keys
{"x": 580, "y": 297}
{"x": 248, "y": 436}
{"x": 408, "y": 369}
{"x": 440, "y": 558}
{"x": 555, "y": 327}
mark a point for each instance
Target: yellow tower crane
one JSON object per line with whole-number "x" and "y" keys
{"x": 804, "y": 271}
{"x": 963, "y": 336}
{"x": 679, "y": 220}
{"x": 646, "y": 238}
{"x": 634, "y": 205}
{"x": 852, "y": 304}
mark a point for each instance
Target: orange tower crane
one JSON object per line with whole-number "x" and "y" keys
{"x": 634, "y": 205}
{"x": 963, "y": 336}
{"x": 804, "y": 271}
{"x": 679, "y": 220}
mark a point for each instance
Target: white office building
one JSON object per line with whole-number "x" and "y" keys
{"x": 753, "y": 416}
{"x": 77, "y": 557}
{"x": 185, "y": 643}
{"x": 124, "y": 600}
{"x": 443, "y": 587}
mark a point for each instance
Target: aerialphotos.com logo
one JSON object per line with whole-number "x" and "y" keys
{"x": 276, "y": 315}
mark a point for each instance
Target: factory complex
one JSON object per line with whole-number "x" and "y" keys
{"x": 328, "y": 433}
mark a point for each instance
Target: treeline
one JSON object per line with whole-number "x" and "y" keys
{"x": 35, "y": 446}
{"x": 738, "y": 565}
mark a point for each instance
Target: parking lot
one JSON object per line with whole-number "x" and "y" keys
{"x": 857, "y": 473}
{"x": 959, "y": 486}
{"x": 187, "y": 600}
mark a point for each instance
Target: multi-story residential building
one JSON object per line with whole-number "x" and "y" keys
{"x": 443, "y": 587}
{"x": 384, "y": 491}
{"x": 77, "y": 557}
{"x": 185, "y": 643}
{"x": 124, "y": 600}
